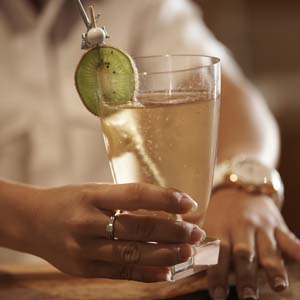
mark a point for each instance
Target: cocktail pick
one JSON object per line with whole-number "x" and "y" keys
{"x": 94, "y": 36}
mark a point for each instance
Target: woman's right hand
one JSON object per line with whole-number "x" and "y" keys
{"x": 70, "y": 230}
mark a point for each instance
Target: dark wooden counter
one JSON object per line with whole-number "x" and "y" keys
{"x": 43, "y": 282}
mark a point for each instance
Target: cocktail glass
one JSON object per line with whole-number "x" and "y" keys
{"x": 167, "y": 136}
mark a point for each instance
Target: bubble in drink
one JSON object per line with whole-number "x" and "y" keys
{"x": 168, "y": 140}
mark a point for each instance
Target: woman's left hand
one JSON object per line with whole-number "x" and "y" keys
{"x": 252, "y": 232}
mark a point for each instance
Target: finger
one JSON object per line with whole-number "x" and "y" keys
{"x": 245, "y": 264}
{"x": 140, "y": 196}
{"x": 123, "y": 252}
{"x": 96, "y": 269}
{"x": 288, "y": 243}
{"x": 271, "y": 260}
{"x": 218, "y": 274}
{"x": 151, "y": 229}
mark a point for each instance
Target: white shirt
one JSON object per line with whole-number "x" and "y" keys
{"x": 47, "y": 137}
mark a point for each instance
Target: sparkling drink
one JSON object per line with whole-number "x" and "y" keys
{"x": 163, "y": 139}
{"x": 167, "y": 136}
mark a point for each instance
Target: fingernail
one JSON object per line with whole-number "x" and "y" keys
{"x": 249, "y": 294}
{"x": 186, "y": 200}
{"x": 169, "y": 276}
{"x": 197, "y": 235}
{"x": 251, "y": 257}
{"x": 279, "y": 284}
{"x": 219, "y": 293}
{"x": 185, "y": 252}
{"x": 164, "y": 276}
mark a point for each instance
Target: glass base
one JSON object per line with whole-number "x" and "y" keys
{"x": 206, "y": 254}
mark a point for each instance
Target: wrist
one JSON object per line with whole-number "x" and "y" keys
{"x": 18, "y": 214}
{"x": 237, "y": 200}
{"x": 251, "y": 176}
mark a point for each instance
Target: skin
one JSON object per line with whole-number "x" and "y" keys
{"x": 251, "y": 228}
{"x": 66, "y": 227}
{"x": 253, "y": 233}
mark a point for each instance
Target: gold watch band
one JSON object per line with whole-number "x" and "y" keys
{"x": 234, "y": 174}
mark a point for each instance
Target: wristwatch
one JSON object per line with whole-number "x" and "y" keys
{"x": 250, "y": 175}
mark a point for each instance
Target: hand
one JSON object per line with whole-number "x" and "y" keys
{"x": 70, "y": 231}
{"x": 252, "y": 232}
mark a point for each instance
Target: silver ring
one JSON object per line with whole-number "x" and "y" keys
{"x": 110, "y": 226}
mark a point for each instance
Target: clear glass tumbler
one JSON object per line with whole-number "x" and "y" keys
{"x": 167, "y": 136}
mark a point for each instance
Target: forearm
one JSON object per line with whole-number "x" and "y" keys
{"x": 18, "y": 211}
{"x": 246, "y": 124}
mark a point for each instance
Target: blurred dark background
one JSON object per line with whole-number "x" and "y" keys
{"x": 264, "y": 37}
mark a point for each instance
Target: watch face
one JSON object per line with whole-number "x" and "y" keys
{"x": 252, "y": 172}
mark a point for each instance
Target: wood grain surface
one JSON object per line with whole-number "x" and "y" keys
{"x": 43, "y": 282}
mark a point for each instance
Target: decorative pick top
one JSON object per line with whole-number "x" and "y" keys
{"x": 95, "y": 36}
{"x": 104, "y": 73}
